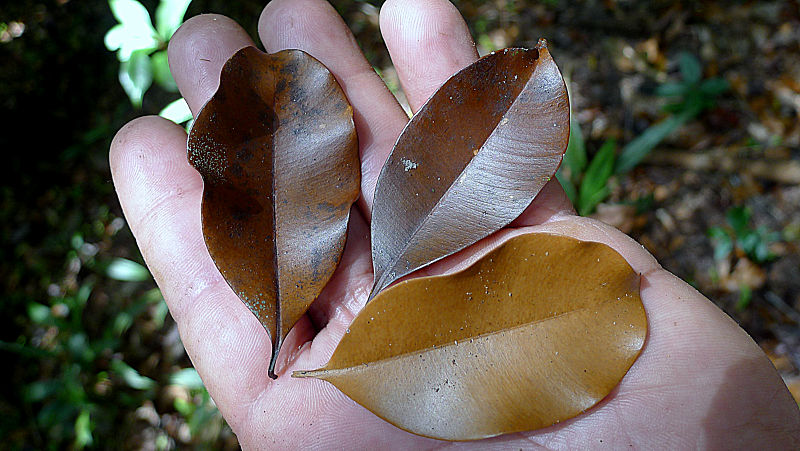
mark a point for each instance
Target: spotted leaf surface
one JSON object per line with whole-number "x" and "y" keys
{"x": 277, "y": 149}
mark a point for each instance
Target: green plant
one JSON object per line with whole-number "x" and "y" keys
{"x": 740, "y": 235}
{"x": 87, "y": 376}
{"x": 589, "y": 188}
{"x": 693, "y": 94}
{"x": 745, "y": 296}
{"x": 586, "y": 183}
{"x": 75, "y": 354}
{"x": 78, "y": 364}
{"x": 200, "y": 412}
{"x": 571, "y": 170}
{"x": 86, "y": 379}
{"x": 142, "y": 49}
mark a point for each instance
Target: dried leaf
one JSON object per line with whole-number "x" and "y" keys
{"x": 277, "y": 150}
{"x": 470, "y": 161}
{"x": 518, "y": 341}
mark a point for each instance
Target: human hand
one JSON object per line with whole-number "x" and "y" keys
{"x": 699, "y": 382}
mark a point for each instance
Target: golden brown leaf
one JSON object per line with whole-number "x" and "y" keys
{"x": 534, "y": 333}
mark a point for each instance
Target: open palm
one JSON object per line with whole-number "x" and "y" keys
{"x": 700, "y": 381}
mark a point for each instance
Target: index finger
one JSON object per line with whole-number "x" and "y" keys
{"x": 197, "y": 52}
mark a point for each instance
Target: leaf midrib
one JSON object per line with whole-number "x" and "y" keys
{"x": 323, "y": 371}
{"x": 384, "y": 276}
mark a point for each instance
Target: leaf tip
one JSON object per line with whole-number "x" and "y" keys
{"x": 541, "y": 44}
{"x": 276, "y": 347}
{"x": 377, "y": 286}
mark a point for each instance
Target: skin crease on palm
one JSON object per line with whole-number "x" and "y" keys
{"x": 700, "y": 381}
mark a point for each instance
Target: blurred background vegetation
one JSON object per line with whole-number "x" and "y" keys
{"x": 685, "y": 134}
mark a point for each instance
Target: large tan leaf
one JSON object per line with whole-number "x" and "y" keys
{"x": 536, "y": 332}
{"x": 277, "y": 150}
{"x": 469, "y": 161}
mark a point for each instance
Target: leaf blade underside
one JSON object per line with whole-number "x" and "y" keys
{"x": 277, "y": 150}
{"x": 469, "y": 161}
{"x": 516, "y": 342}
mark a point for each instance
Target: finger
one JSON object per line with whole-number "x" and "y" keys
{"x": 428, "y": 42}
{"x": 315, "y": 27}
{"x": 551, "y": 202}
{"x": 160, "y": 196}
{"x": 197, "y": 52}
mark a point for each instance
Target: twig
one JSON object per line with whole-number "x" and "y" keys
{"x": 722, "y": 160}
{"x": 778, "y": 303}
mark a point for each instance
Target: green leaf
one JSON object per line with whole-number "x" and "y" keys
{"x": 169, "y": 16}
{"x": 38, "y": 313}
{"x": 696, "y": 102}
{"x": 569, "y": 188}
{"x": 177, "y": 111}
{"x": 40, "y": 390}
{"x": 594, "y": 186}
{"x": 590, "y": 202}
{"x": 131, "y": 376}
{"x": 160, "y": 314}
{"x": 77, "y": 241}
{"x": 575, "y": 157}
{"x": 184, "y": 407}
{"x": 132, "y": 14}
{"x": 80, "y": 347}
{"x": 721, "y": 241}
{"x": 83, "y": 430}
{"x": 26, "y": 351}
{"x": 739, "y": 219}
{"x": 486, "y": 42}
{"x": 134, "y": 32}
{"x": 136, "y": 76}
{"x": 124, "y": 42}
{"x": 161, "y": 72}
{"x": 755, "y": 243}
{"x": 761, "y": 253}
{"x": 745, "y": 296}
{"x": 127, "y": 271}
{"x": 714, "y": 86}
{"x": 690, "y": 68}
{"x": 187, "y": 378}
{"x": 636, "y": 150}
{"x": 122, "y": 322}
{"x": 82, "y": 296}
{"x": 671, "y": 89}
{"x": 152, "y": 296}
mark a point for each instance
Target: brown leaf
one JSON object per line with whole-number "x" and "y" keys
{"x": 534, "y": 333}
{"x": 277, "y": 150}
{"x": 470, "y": 161}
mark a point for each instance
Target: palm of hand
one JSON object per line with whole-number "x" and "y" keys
{"x": 700, "y": 380}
